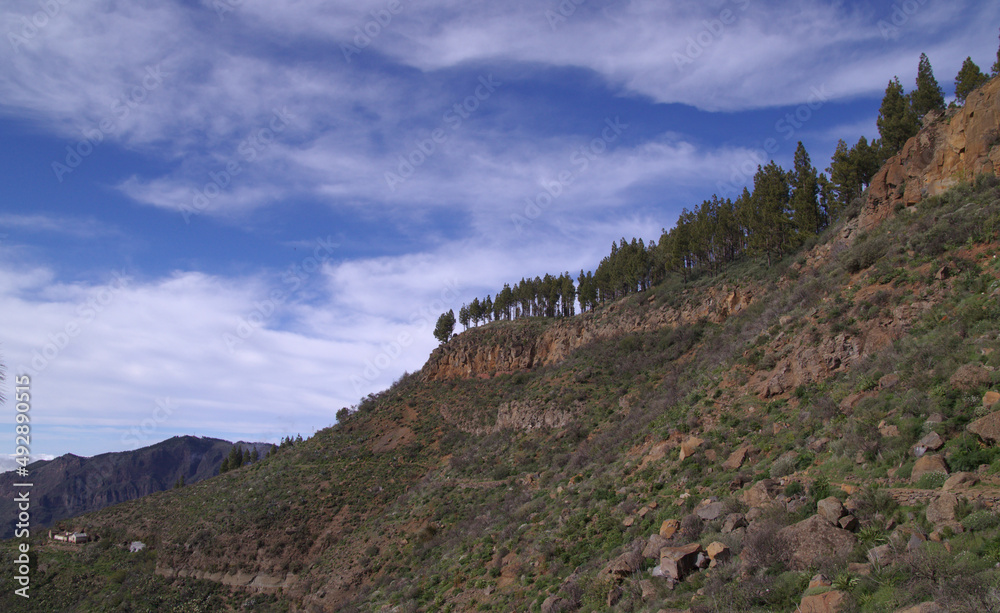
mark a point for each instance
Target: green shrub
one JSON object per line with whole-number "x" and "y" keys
{"x": 931, "y": 481}
{"x": 864, "y": 253}
{"x": 981, "y": 520}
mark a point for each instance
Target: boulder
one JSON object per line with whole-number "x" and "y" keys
{"x": 718, "y": 553}
{"x": 648, "y": 589}
{"x": 554, "y": 604}
{"x": 970, "y": 376}
{"x": 689, "y": 446}
{"x": 888, "y": 381}
{"x": 932, "y": 441}
{"x": 669, "y": 528}
{"x": 991, "y": 398}
{"x": 710, "y": 511}
{"x": 849, "y": 523}
{"x": 678, "y": 562}
{"x": 959, "y": 480}
{"x": 820, "y": 581}
{"x": 928, "y": 464}
{"x": 831, "y": 509}
{"x": 733, "y": 521}
{"x": 987, "y": 428}
{"x": 737, "y": 458}
{"x": 761, "y": 493}
{"x": 625, "y": 565}
{"x": 942, "y": 509}
{"x": 813, "y": 540}
{"x": 881, "y": 555}
{"x": 827, "y": 602}
{"x": 653, "y": 547}
{"x": 888, "y": 430}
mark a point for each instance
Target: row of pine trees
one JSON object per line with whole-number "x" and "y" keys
{"x": 784, "y": 209}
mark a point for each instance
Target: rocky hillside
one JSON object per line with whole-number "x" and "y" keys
{"x": 70, "y": 485}
{"x": 819, "y": 435}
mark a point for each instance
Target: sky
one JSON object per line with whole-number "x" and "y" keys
{"x": 231, "y": 218}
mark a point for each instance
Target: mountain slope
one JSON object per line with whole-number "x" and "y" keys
{"x": 784, "y": 421}
{"x": 71, "y": 485}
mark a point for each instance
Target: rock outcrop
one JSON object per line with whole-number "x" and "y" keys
{"x": 525, "y": 345}
{"x": 956, "y": 147}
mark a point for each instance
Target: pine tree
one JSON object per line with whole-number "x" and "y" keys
{"x": 463, "y": 316}
{"x": 224, "y": 468}
{"x": 969, "y": 78}
{"x": 445, "y": 326}
{"x": 928, "y": 96}
{"x": 896, "y": 120}
{"x": 996, "y": 65}
{"x": 770, "y": 227}
{"x": 254, "y": 455}
{"x": 805, "y": 191}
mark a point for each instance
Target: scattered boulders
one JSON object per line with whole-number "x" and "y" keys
{"x": 689, "y": 446}
{"x": 942, "y": 509}
{"x": 928, "y": 464}
{"x": 969, "y": 377}
{"x": 987, "y": 428}
{"x": 849, "y": 523}
{"x": 761, "y": 493}
{"x": 831, "y": 509}
{"x": 625, "y": 565}
{"x": 669, "y": 528}
{"x": 888, "y": 381}
{"x": 554, "y": 604}
{"x": 813, "y": 540}
{"x": 718, "y": 553}
{"x": 733, "y": 521}
{"x": 653, "y": 547}
{"x": 959, "y": 481}
{"x": 677, "y": 563}
{"x": 820, "y": 581}
{"x": 827, "y": 602}
{"x": 881, "y": 555}
{"x": 710, "y": 511}
{"x": 738, "y": 457}
{"x": 931, "y": 441}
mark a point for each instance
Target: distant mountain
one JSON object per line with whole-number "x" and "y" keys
{"x": 9, "y": 462}
{"x": 70, "y": 485}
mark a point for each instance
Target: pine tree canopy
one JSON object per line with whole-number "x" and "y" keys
{"x": 928, "y": 96}
{"x": 969, "y": 78}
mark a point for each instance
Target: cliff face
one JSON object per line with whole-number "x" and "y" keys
{"x": 475, "y": 354}
{"x": 954, "y": 147}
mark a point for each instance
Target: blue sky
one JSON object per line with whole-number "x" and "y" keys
{"x": 233, "y": 217}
